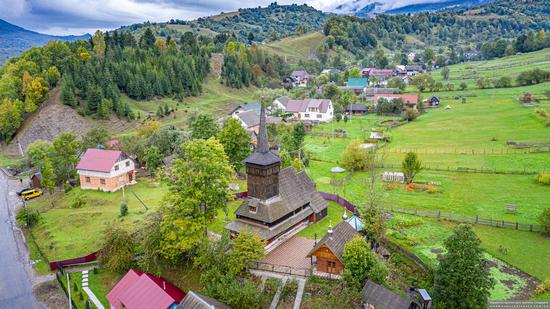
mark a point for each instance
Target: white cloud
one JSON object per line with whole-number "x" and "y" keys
{"x": 81, "y": 16}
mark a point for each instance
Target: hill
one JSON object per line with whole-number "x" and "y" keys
{"x": 271, "y": 22}
{"x": 367, "y": 8}
{"x": 15, "y": 40}
{"x": 439, "y": 30}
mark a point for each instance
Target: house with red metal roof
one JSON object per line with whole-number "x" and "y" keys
{"x": 409, "y": 99}
{"x": 141, "y": 290}
{"x": 105, "y": 170}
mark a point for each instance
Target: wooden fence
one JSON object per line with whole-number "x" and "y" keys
{"x": 291, "y": 271}
{"x": 468, "y": 219}
{"x": 482, "y": 151}
{"x": 469, "y": 170}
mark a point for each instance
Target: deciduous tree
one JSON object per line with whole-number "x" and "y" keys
{"x": 361, "y": 264}
{"x": 410, "y": 166}
{"x": 235, "y": 141}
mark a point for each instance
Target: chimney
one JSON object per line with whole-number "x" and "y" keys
{"x": 164, "y": 285}
{"x": 344, "y": 215}
{"x": 330, "y": 230}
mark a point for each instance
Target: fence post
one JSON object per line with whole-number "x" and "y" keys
{"x": 477, "y": 219}
{"x": 516, "y": 225}
{"x": 530, "y": 227}
{"x": 439, "y": 214}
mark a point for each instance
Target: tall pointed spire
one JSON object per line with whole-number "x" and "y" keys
{"x": 263, "y": 143}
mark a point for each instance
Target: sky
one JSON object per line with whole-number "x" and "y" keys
{"x": 63, "y": 17}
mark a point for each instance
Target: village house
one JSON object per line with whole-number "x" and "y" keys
{"x": 105, "y": 170}
{"x": 408, "y": 70}
{"x": 411, "y": 57}
{"x": 410, "y": 100}
{"x": 315, "y": 110}
{"x": 300, "y": 78}
{"x": 356, "y": 109}
{"x": 357, "y": 85}
{"x": 141, "y": 290}
{"x": 371, "y": 92}
{"x": 254, "y": 106}
{"x": 327, "y": 253}
{"x": 434, "y": 101}
{"x": 378, "y": 76}
{"x": 280, "y": 202}
{"x": 250, "y": 120}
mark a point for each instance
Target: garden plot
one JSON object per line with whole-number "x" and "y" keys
{"x": 425, "y": 239}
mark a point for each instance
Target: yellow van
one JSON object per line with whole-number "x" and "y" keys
{"x": 30, "y": 194}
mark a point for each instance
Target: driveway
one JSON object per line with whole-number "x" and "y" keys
{"x": 15, "y": 283}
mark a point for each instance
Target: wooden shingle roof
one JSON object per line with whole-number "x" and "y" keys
{"x": 380, "y": 297}
{"x": 341, "y": 235}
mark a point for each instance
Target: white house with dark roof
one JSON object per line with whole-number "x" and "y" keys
{"x": 320, "y": 110}
{"x": 301, "y": 77}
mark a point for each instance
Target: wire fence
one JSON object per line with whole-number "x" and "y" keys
{"x": 470, "y": 219}
{"x": 472, "y": 152}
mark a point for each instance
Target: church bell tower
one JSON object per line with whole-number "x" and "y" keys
{"x": 263, "y": 166}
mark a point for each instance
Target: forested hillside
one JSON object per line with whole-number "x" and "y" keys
{"x": 94, "y": 73}
{"x": 247, "y": 25}
{"x": 457, "y": 29}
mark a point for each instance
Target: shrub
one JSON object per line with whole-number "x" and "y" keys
{"x": 544, "y": 220}
{"x": 123, "y": 209}
{"x": 544, "y": 179}
{"x": 411, "y": 114}
{"x": 78, "y": 202}
{"x": 543, "y": 288}
{"x": 27, "y": 217}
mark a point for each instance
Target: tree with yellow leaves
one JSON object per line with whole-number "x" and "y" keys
{"x": 98, "y": 41}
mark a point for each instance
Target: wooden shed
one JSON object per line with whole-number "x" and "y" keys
{"x": 36, "y": 180}
{"x": 328, "y": 251}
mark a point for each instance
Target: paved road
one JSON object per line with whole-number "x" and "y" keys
{"x": 15, "y": 284}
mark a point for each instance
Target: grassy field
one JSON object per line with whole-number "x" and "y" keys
{"x": 424, "y": 237}
{"x": 507, "y": 66}
{"x": 296, "y": 48}
{"x": 216, "y": 99}
{"x": 65, "y": 232}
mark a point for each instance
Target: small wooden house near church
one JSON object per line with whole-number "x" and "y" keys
{"x": 279, "y": 202}
{"x": 328, "y": 251}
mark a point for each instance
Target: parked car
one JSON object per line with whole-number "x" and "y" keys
{"x": 23, "y": 190}
{"x": 30, "y": 194}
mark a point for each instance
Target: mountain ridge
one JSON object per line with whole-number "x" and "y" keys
{"x": 15, "y": 39}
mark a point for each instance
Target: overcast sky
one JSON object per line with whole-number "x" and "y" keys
{"x": 63, "y": 17}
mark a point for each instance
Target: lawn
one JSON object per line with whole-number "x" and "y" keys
{"x": 101, "y": 282}
{"x": 507, "y": 66}
{"x": 320, "y": 228}
{"x": 296, "y": 48}
{"x": 65, "y": 232}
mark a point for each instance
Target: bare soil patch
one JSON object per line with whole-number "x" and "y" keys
{"x": 50, "y": 294}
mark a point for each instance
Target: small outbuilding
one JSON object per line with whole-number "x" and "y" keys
{"x": 328, "y": 251}
{"x": 36, "y": 180}
{"x": 377, "y": 297}
{"x": 393, "y": 177}
{"x": 356, "y": 109}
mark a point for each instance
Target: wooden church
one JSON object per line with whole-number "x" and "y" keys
{"x": 279, "y": 202}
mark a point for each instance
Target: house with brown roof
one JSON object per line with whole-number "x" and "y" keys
{"x": 280, "y": 202}
{"x": 105, "y": 170}
{"x": 300, "y": 78}
{"x": 314, "y": 110}
{"x": 328, "y": 252}
{"x": 141, "y": 290}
